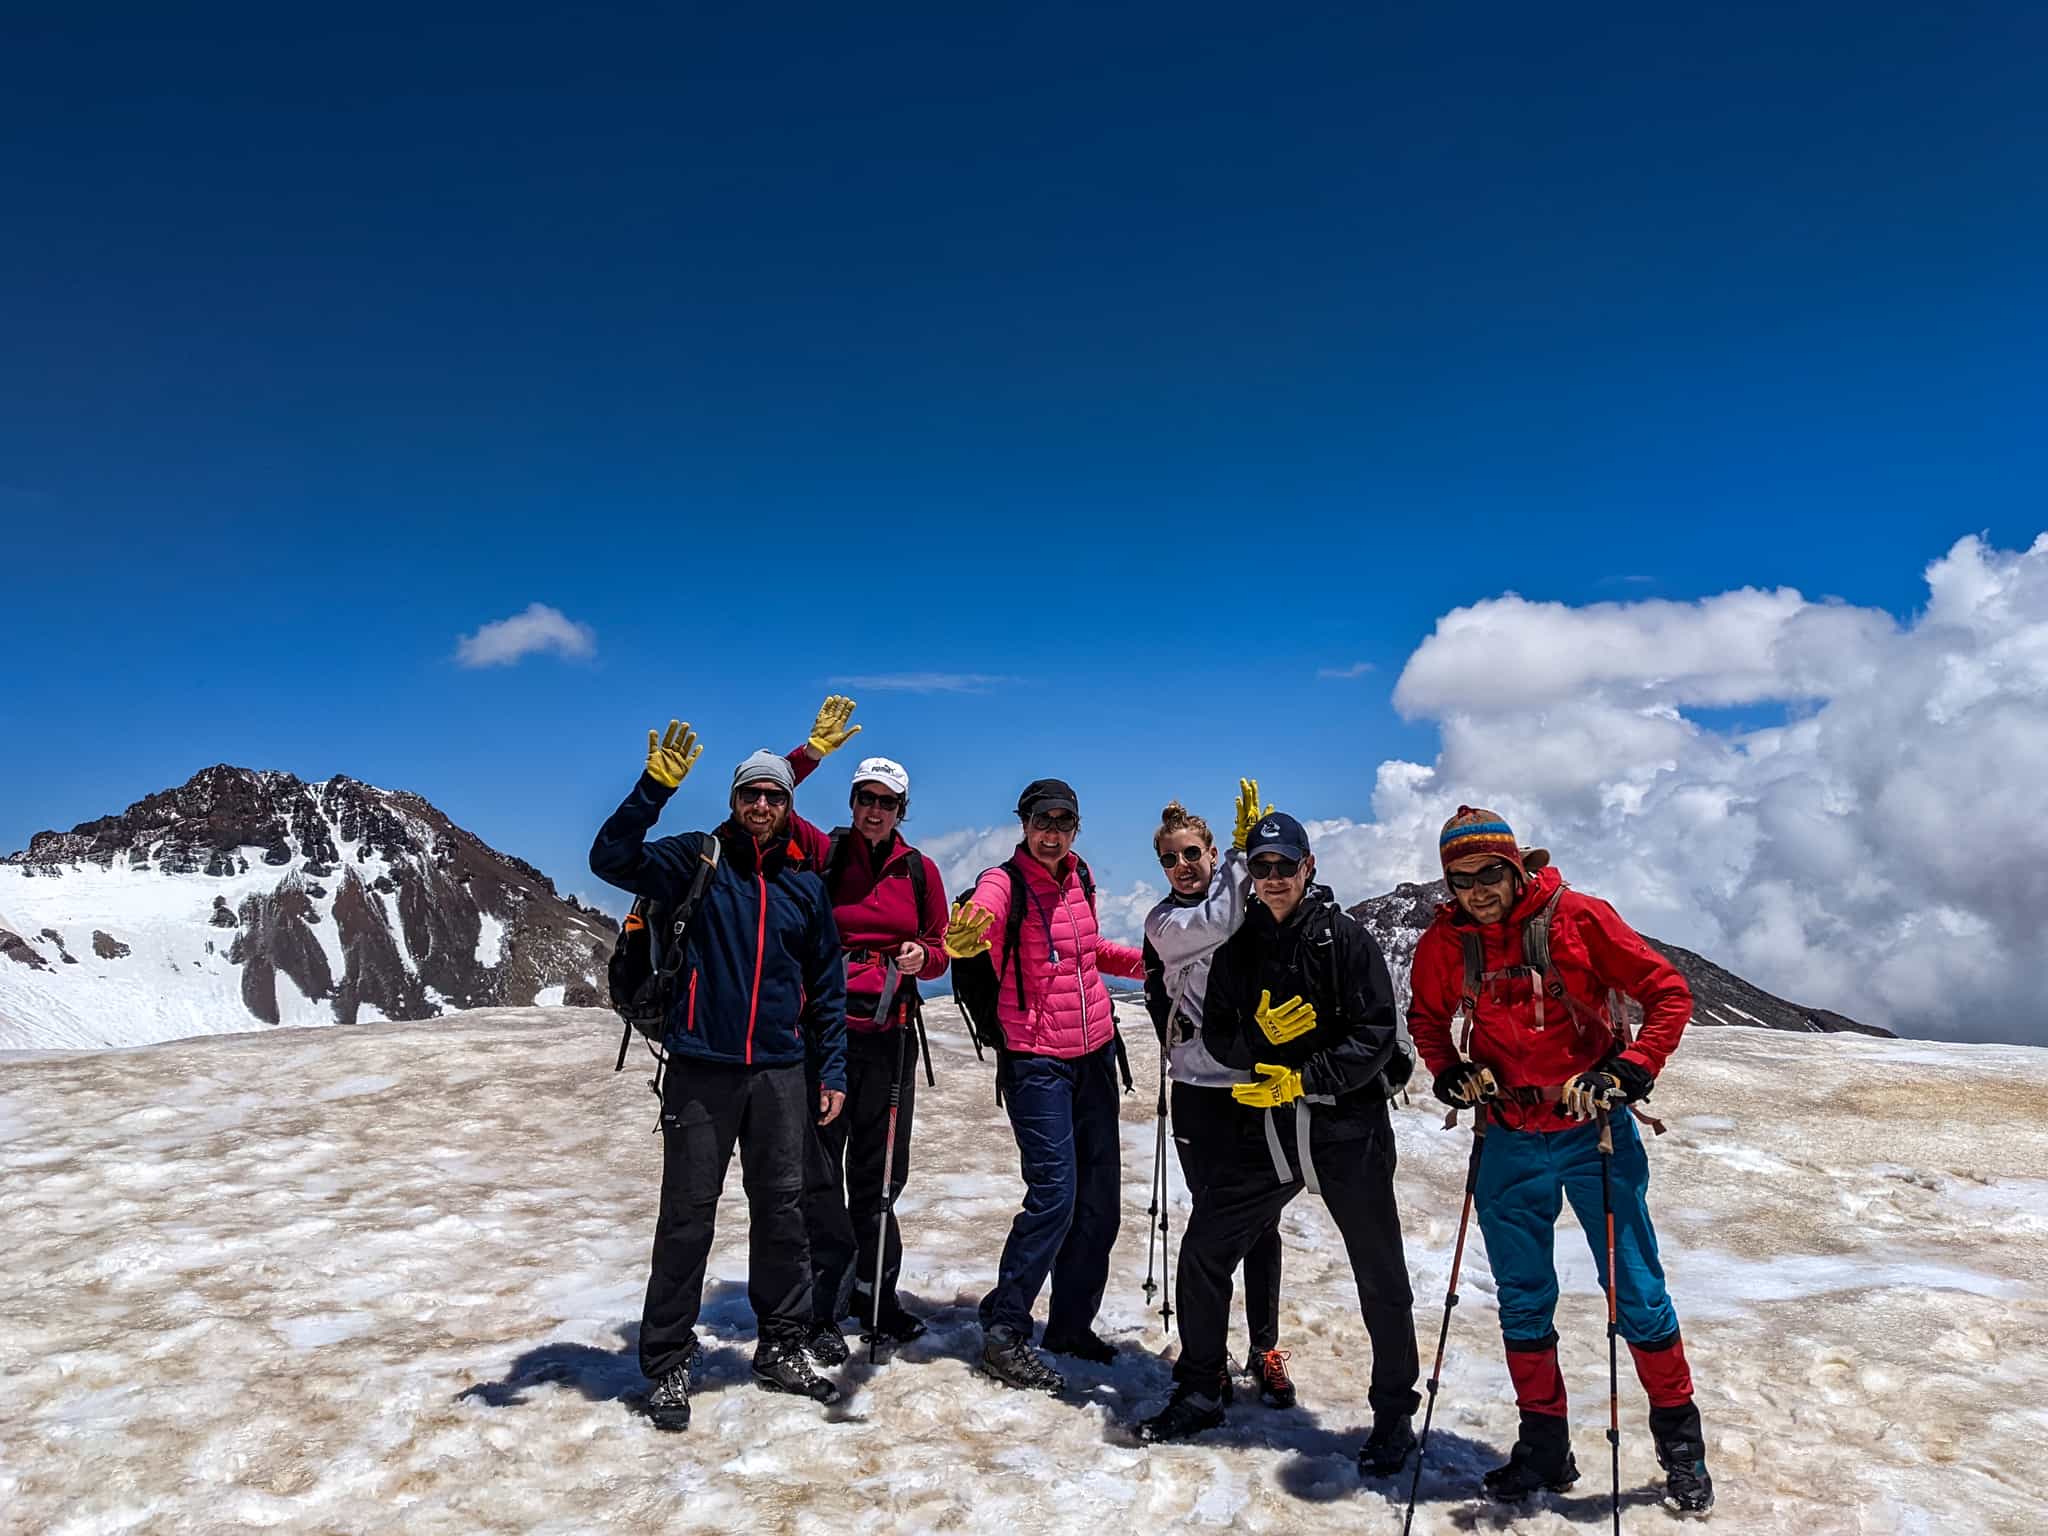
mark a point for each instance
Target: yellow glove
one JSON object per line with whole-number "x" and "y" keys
{"x": 830, "y": 732}
{"x": 967, "y": 930}
{"x": 671, "y": 757}
{"x": 1282, "y": 1085}
{"x": 1293, "y": 1018}
{"x": 1248, "y": 813}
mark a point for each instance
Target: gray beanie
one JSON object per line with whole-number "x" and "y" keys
{"x": 772, "y": 766}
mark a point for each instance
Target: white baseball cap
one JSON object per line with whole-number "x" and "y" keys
{"x": 882, "y": 771}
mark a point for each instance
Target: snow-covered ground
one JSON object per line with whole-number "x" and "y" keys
{"x": 388, "y": 1278}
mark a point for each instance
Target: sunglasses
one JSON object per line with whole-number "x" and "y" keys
{"x": 1492, "y": 874}
{"x": 754, "y": 792}
{"x": 868, "y": 800}
{"x": 1275, "y": 868}
{"x": 1167, "y": 859}
{"x": 1055, "y": 821}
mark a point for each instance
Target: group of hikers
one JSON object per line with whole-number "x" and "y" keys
{"x": 795, "y": 1002}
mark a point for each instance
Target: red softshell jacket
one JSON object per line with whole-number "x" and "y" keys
{"x": 1592, "y": 951}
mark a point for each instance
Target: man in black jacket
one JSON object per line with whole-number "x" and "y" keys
{"x": 1314, "y": 1118}
{"x": 761, "y": 999}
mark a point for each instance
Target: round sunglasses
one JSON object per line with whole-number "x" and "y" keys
{"x": 1168, "y": 858}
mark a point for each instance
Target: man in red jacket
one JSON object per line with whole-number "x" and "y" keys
{"x": 1545, "y": 1051}
{"x": 889, "y": 902}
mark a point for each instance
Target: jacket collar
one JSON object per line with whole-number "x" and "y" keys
{"x": 1315, "y": 897}
{"x": 741, "y": 851}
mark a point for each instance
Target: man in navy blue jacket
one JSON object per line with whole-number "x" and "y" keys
{"x": 760, "y": 1013}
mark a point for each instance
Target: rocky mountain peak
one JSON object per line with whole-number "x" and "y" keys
{"x": 324, "y": 901}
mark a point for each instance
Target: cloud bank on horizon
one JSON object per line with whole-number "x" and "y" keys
{"x": 1878, "y": 846}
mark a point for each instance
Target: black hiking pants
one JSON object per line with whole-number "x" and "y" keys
{"x": 1352, "y": 1148}
{"x": 843, "y": 1175}
{"x": 1202, "y": 1121}
{"x": 708, "y": 1109}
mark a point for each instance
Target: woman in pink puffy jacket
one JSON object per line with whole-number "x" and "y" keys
{"x": 1059, "y": 1085}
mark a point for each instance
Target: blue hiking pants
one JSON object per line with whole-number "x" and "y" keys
{"x": 1063, "y": 1111}
{"x": 1524, "y": 1178}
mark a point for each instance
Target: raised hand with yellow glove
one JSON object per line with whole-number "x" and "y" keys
{"x": 1248, "y": 812}
{"x": 967, "y": 930}
{"x": 830, "y": 732}
{"x": 1277, "y": 1086}
{"x": 1291, "y": 1020}
{"x": 670, "y": 757}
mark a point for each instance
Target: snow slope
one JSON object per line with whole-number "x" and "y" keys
{"x": 387, "y": 1279}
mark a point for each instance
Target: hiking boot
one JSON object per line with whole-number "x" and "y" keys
{"x": 1386, "y": 1448}
{"x": 1268, "y": 1367}
{"x": 1682, "y": 1452}
{"x": 780, "y": 1366}
{"x": 1188, "y": 1412}
{"x": 897, "y": 1325}
{"x": 826, "y": 1346}
{"x": 1008, "y": 1356}
{"x": 1085, "y": 1345}
{"x": 668, "y": 1405}
{"x": 1542, "y": 1458}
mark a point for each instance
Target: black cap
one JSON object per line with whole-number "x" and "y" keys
{"x": 1277, "y": 832}
{"x": 1047, "y": 795}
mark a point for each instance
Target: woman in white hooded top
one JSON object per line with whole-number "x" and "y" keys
{"x": 1182, "y": 934}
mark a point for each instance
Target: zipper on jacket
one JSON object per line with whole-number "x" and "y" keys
{"x": 760, "y": 949}
{"x": 690, "y": 1022}
{"x": 1080, "y": 976}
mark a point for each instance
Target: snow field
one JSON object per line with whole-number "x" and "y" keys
{"x": 388, "y": 1279}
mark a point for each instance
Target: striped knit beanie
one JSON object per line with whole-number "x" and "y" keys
{"x": 1476, "y": 830}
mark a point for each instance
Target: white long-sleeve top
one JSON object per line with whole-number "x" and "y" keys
{"x": 1186, "y": 932}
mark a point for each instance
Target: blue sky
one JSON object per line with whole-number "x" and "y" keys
{"x": 1153, "y": 362}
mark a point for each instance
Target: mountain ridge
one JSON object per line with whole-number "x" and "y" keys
{"x": 329, "y": 901}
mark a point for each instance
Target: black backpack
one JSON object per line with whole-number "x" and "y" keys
{"x": 647, "y": 961}
{"x": 978, "y": 989}
{"x": 1400, "y": 1065}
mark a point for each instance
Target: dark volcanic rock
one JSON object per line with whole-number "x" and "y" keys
{"x": 107, "y": 947}
{"x": 411, "y": 893}
{"x": 375, "y": 973}
{"x": 1397, "y": 921}
{"x": 57, "y": 939}
{"x": 19, "y": 950}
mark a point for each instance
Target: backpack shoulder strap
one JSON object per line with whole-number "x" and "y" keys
{"x": 836, "y": 852}
{"x": 1087, "y": 880}
{"x": 678, "y": 916}
{"x": 917, "y": 880}
{"x": 1013, "y": 925}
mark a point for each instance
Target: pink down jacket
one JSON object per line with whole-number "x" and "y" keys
{"x": 1066, "y": 1007}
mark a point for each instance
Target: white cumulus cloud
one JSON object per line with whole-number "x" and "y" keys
{"x": 540, "y": 628}
{"x": 1879, "y": 846}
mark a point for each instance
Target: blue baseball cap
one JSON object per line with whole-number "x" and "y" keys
{"x": 1277, "y": 833}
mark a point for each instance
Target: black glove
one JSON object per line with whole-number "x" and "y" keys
{"x": 1636, "y": 1079}
{"x": 1616, "y": 1080}
{"x": 1464, "y": 1084}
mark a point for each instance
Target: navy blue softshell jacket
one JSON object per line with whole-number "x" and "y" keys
{"x": 763, "y": 982}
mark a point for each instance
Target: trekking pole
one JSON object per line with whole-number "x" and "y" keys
{"x": 1450, "y": 1300}
{"x": 888, "y": 1001}
{"x": 1613, "y": 1366}
{"x": 1158, "y": 1169}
